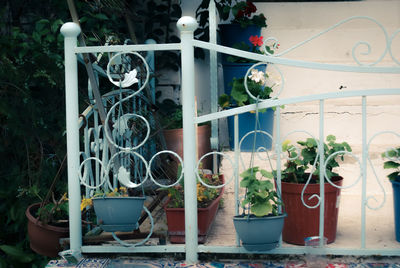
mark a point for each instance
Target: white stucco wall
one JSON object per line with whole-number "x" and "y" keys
{"x": 294, "y": 22}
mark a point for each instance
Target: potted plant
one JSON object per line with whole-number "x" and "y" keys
{"x": 208, "y": 201}
{"x": 303, "y": 221}
{"x": 393, "y": 162}
{"x": 243, "y": 22}
{"x": 116, "y": 210}
{"x": 259, "y": 84}
{"x": 47, "y": 224}
{"x": 260, "y": 226}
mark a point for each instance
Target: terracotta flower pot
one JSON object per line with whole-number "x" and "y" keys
{"x": 44, "y": 239}
{"x": 303, "y": 222}
{"x": 174, "y": 142}
{"x": 205, "y": 218}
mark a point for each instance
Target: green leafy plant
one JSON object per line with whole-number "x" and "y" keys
{"x": 393, "y": 163}
{"x": 261, "y": 195}
{"x": 301, "y": 160}
{"x": 258, "y": 84}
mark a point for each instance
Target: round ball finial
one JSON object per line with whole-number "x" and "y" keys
{"x": 70, "y": 29}
{"x": 187, "y": 24}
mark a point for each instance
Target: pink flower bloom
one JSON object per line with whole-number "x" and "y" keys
{"x": 256, "y": 41}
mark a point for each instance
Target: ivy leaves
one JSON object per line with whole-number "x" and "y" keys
{"x": 260, "y": 194}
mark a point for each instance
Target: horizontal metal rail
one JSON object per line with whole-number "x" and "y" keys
{"x": 279, "y": 102}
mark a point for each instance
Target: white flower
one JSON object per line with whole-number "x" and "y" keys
{"x": 258, "y": 76}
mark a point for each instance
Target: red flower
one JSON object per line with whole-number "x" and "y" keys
{"x": 256, "y": 41}
{"x": 251, "y": 8}
{"x": 240, "y": 14}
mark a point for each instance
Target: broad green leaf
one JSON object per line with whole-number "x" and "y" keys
{"x": 261, "y": 209}
{"x": 394, "y": 176}
{"x": 266, "y": 174}
{"x": 249, "y": 172}
{"x": 390, "y": 164}
{"x": 330, "y": 138}
{"x": 16, "y": 253}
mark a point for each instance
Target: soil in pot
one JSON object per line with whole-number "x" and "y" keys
{"x": 44, "y": 239}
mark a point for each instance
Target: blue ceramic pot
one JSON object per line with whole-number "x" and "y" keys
{"x": 246, "y": 124}
{"x": 118, "y": 213}
{"x": 231, "y": 34}
{"x": 259, "y": 233}
{"x": 396, "y": 205}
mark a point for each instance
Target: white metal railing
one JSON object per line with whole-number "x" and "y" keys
{"x": 94, "y": 176}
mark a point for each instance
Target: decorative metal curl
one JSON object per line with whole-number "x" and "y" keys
{"x": 130, "y": 77}
{"x": 107, "y": 134}
{"x": 128, "y": 148}
{"x": 355, "y": 47}
{"x": 258, "y": 150}
{"x": 266, "y": 66}
{"x": 144, "y": 240}
{"x": 334, "y": 155}
{"x": 151, "y": 161}
{"x": 374, "y": 172}
{"x": 102, "y": 173}
{"x": 213, "y": 186}
{"x": 123, "y": 179}
{"x": 390, "y": 46}
{"x": 312, "y": 170}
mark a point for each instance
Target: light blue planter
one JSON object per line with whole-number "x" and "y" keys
{"x": 118, "y": 213}
{"x": 259, "y": 233}
{"x": 396, "y": 205}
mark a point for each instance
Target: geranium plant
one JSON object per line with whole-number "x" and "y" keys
{"x": 257, "y": 47}
{"x": 261, "y": 195}
{"x": 241, "y": 12}
{"x": 259, "y": 83}
{"x": 301, "y": 160}
{"x": 393, "y": 163}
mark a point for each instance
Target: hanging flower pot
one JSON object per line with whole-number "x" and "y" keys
{"x": 118, "y": 213}
{"x": 259, "y": 233}
{"x": 260, "y": 226}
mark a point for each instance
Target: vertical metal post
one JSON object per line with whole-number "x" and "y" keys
{"x": 187, "y": 25}
{"x": 236, "y": 168}
{"x": 150, "y": 61}
{"x": 213, "y": 80}
{"x": 71, "y": 31}
{"x": 364, "y": 170}
{"x": 321, "y": 172}
{"x": 278, "y": 150}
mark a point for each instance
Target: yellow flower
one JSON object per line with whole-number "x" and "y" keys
{"x": 64, "y": 197}
{"x": 86, "y": 202}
